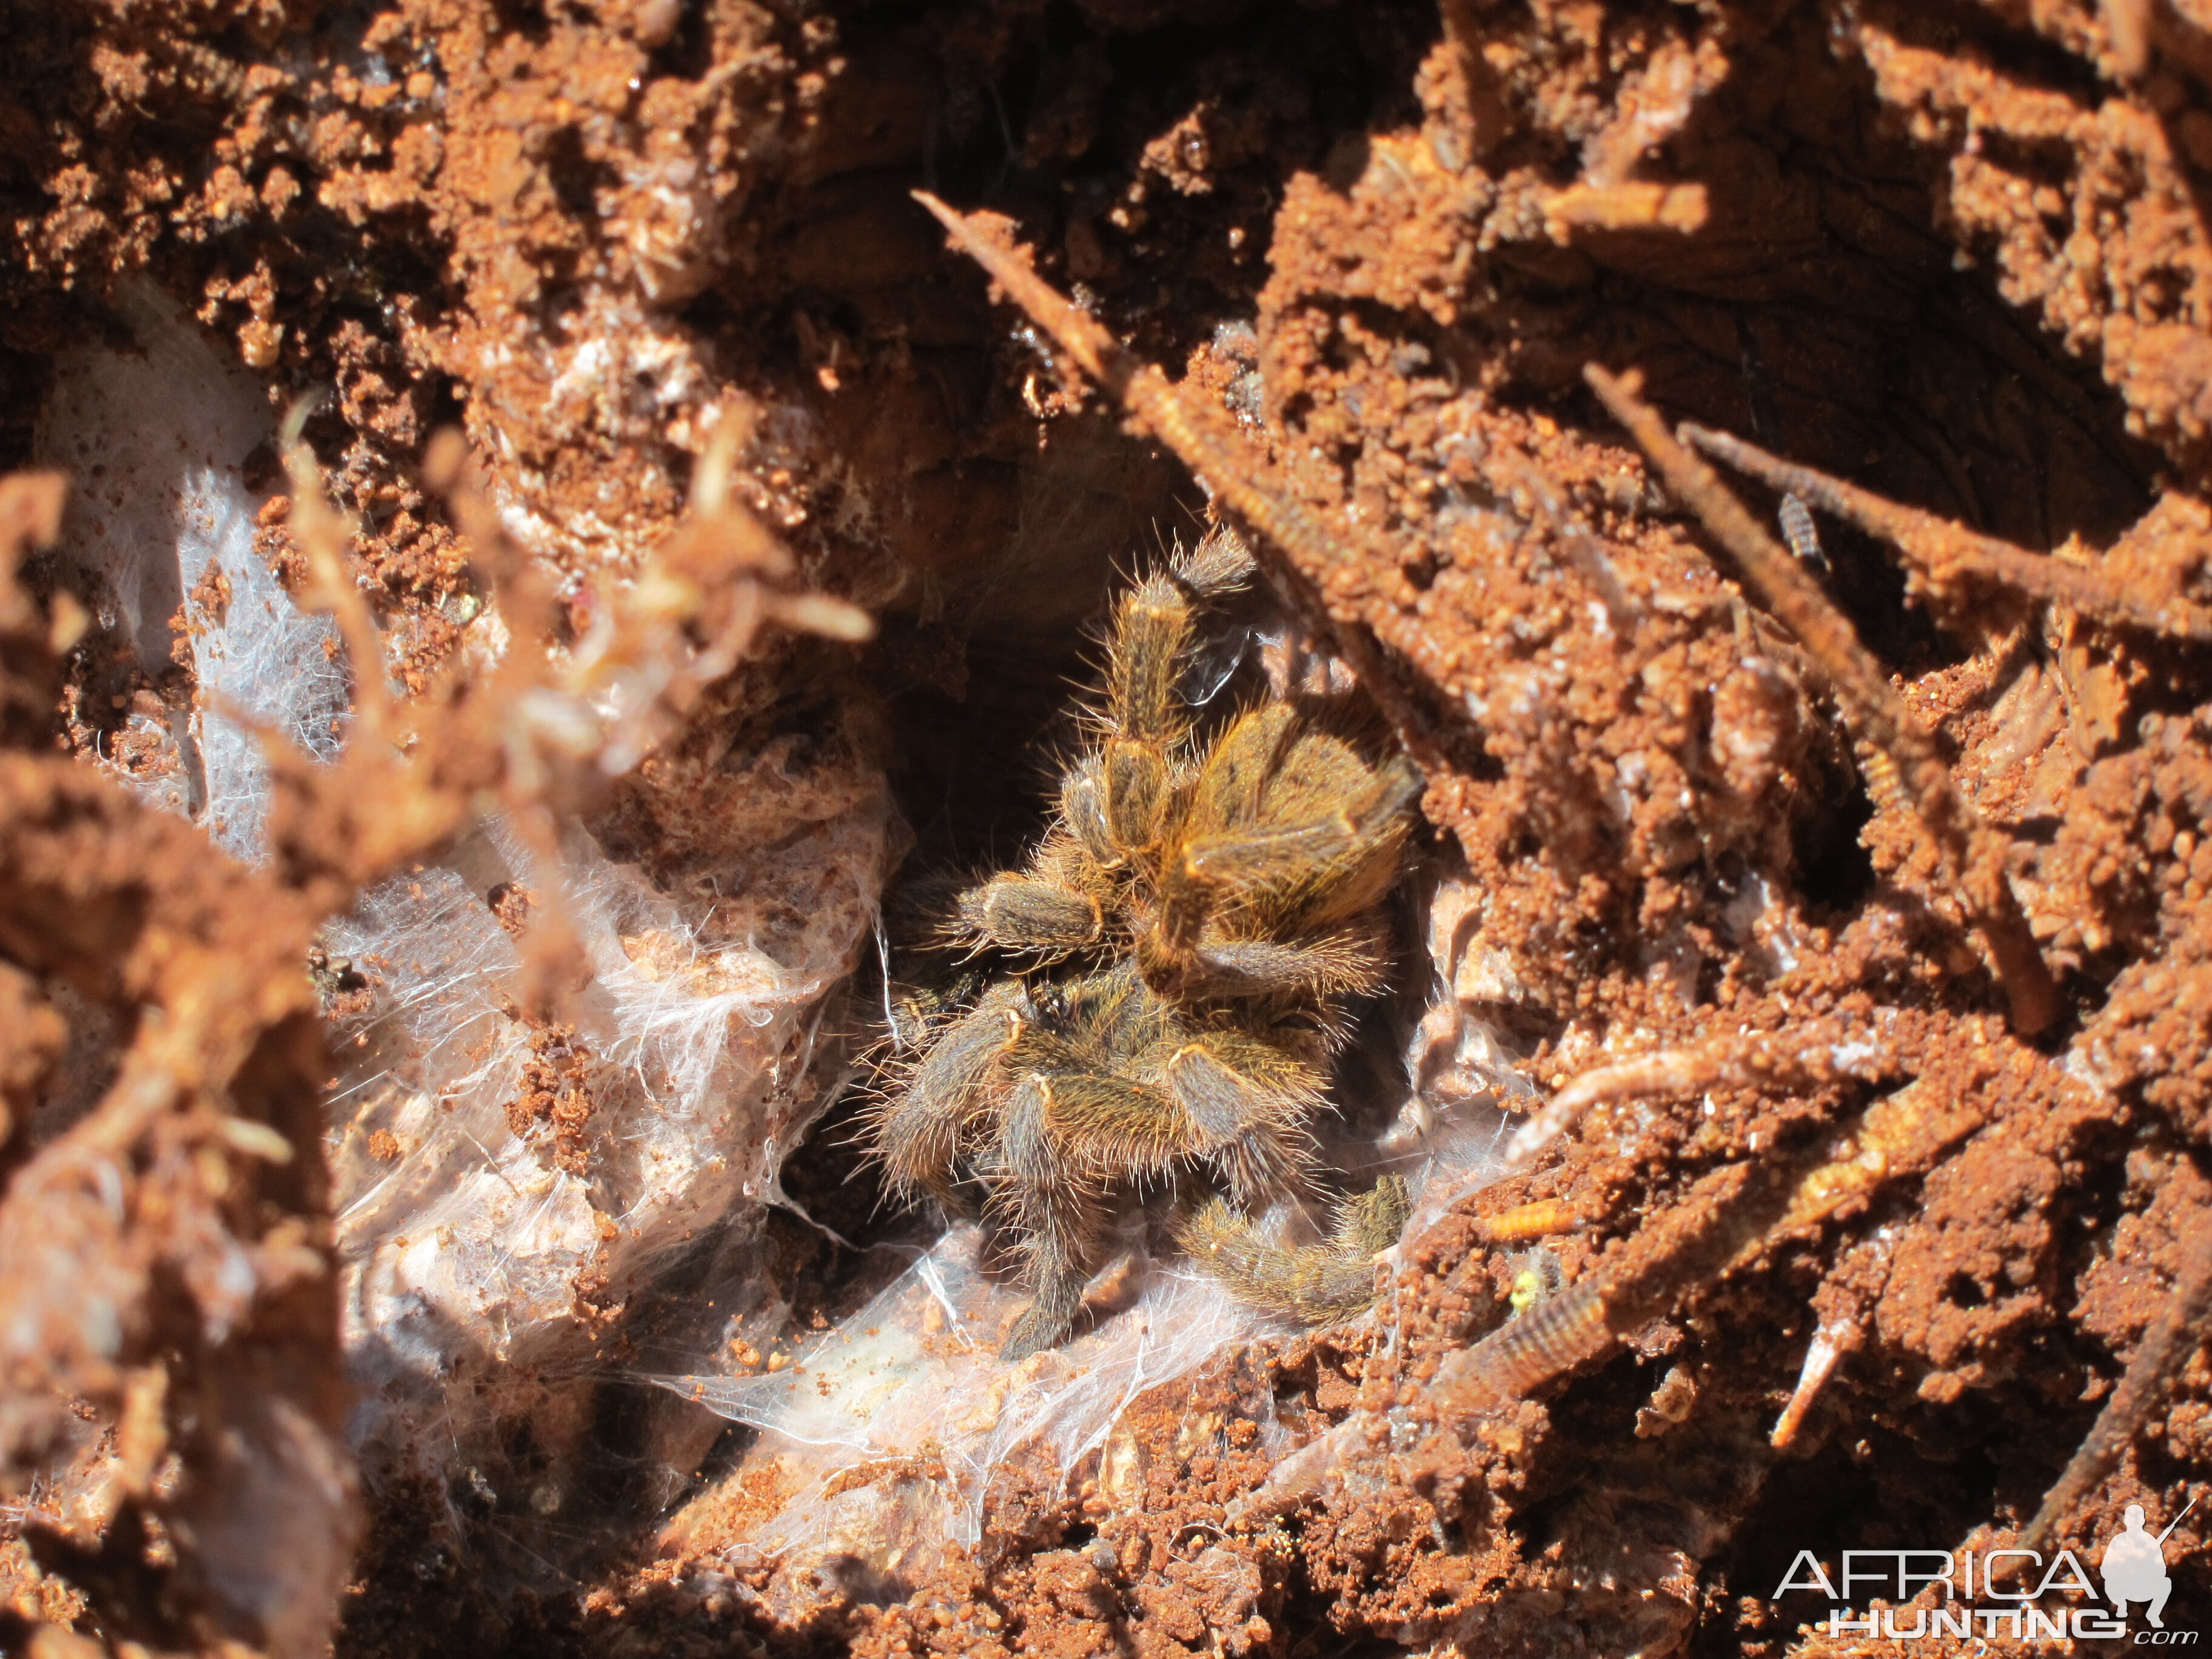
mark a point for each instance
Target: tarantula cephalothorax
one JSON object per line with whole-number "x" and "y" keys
{"x": 1177, "y": 956}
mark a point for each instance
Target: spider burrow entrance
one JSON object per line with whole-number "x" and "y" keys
{"x": 1160, "y": 994}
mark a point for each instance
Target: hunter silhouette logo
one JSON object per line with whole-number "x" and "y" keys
{"x": 1946, "y": 1596}
{"x": 2135, "y": 1566}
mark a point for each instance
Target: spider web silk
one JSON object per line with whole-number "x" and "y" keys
{"x": 154, "y": 439}
{"x": 465, "y": 1251}
{"x": 886, "y": 1431}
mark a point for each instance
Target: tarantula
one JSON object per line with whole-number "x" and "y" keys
{"x": 1177, "y": 956}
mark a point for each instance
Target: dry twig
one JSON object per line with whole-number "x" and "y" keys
{"x": 1944, "y": 552}
{"x": 1320, "y": 565}
{"x": 2165, "y": 1347}
{"x": 1974, "y": 854}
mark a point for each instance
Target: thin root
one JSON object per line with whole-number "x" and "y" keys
{"x": 1830, "y": 1343}
{"x": 1974, "y": 855}
{"x": 1945, "y": 552}
{"x": 2165, "y": 1347}
{"x": 1209, "y": 442}
{"x": 1814, "y": 1052}
{"x": 1727, "y": 1219}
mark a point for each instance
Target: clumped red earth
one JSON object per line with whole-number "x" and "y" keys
{"x": 1956, "y": 253}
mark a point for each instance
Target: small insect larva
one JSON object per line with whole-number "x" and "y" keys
{"x": 1797, "y": 529}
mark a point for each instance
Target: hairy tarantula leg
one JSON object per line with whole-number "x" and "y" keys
{"x": 1248, "y": 1103}
{"x": 1151, "y": 632}
{"x": 1219, "y": 564}
{"x": 1059, "y": 1297}
{"x": 1046, "y": 1199}
{"x": 1348, "y": 962}
{"x": 1327, "y": 867}
{"x": 1240, "y": 860}
{"x": 1208, "y": 441}
{"x": 1118, "y": 795}
{"x": 1726, "y": 1219}
{"x": 917, "y": 1133}
{"x": 1355, "y": 883}
{"x": 1316, "y": 1285}
{"x": 1371, "y": 1222}
{"x": 1113, "y": 1127}
{"x": 1974, "y": 854}
{"x": 1233, "y": 783}
{"x": 1117, "y": 1128}
{"x": 1944, "y": 551}
{"x": 1132, "y": 788}
{"x": 1229, "y": 789}
{"x": 1019, "y": 913}
{"x": 1145, "y": 720}
{"x": 1208, "y": 876}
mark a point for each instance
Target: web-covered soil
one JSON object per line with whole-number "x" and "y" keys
{"x": 1954, "y": 253}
